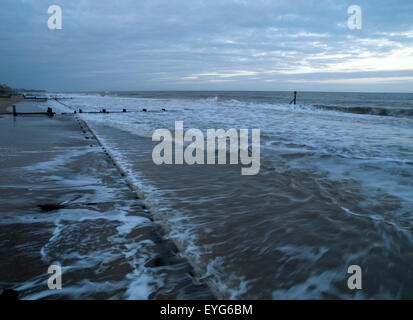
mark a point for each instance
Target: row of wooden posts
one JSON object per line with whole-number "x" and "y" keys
{"x": 51, "y": 113}
{"x": 105, "y": 111}
{"x": 34, "y": 98}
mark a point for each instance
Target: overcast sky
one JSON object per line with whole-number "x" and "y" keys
{"x": 207, "y": 45}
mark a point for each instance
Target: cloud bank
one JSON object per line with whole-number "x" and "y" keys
{"x": 207, "y": 45}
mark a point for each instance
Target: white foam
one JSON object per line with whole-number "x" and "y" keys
{"x": 332, "y": 144}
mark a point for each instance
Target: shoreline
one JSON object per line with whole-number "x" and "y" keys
{"x": 65, "y": 201}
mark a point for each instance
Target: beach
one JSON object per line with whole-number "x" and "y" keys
{"x": 65, "y": 202}
{"x": 6, "y": 103}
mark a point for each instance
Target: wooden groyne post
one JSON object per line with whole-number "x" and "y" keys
{"x": 50, "y": 112}
{"x": 295, "y": 98}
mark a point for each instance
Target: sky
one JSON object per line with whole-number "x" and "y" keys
{"x": 303, "y": 45}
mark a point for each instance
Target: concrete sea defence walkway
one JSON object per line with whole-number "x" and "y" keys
{"x": 65, "y": 202}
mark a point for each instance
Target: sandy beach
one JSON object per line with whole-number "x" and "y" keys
{"x": 65, "y": 202}
{"x": 5, "y": 103}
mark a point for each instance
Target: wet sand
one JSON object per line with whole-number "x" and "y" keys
{"x": 65, "y": 202}
{"x": 5, "y": 103}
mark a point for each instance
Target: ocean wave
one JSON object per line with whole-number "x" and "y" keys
{"x": 377, "y": 111}
{"x": 362, "y": 110}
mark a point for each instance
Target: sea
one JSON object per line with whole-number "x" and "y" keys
{"x": 334, "y": 190}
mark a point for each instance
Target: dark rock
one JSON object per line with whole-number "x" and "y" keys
{"x": 51, "y": 206}
{"x": 156, "y": 262}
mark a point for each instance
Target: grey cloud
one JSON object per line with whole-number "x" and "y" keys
{"x": 160, "y": 44}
